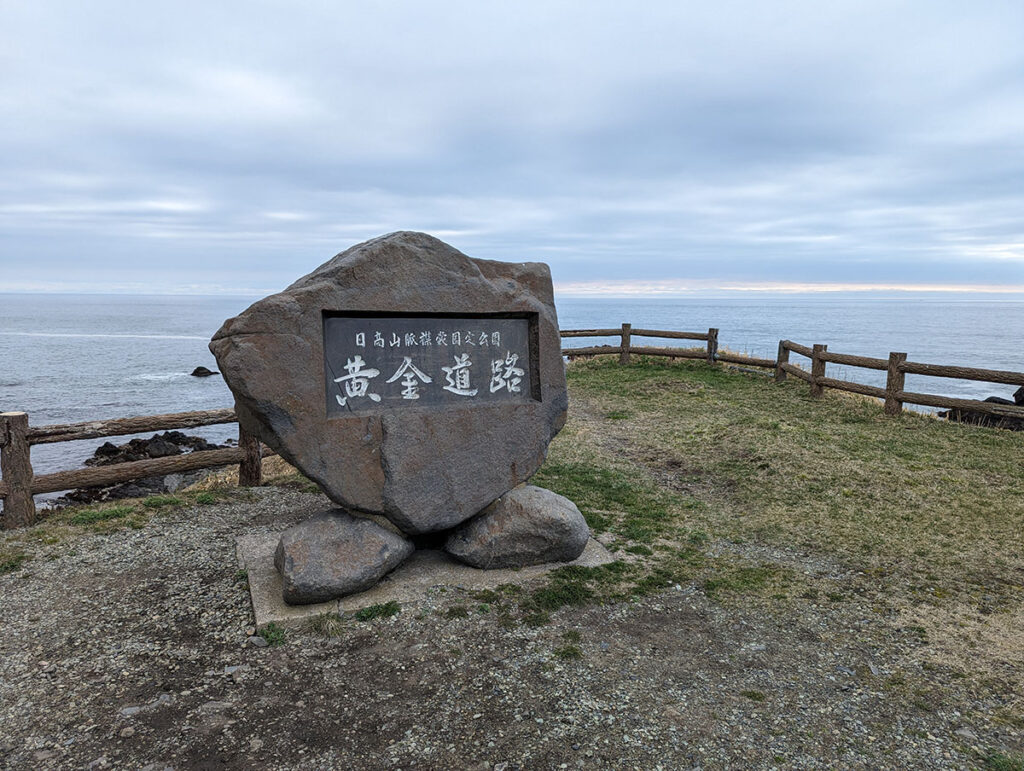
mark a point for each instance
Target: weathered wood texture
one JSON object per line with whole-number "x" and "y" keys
{"x": 99, "y": 476}
{"x": 867, "y": 362}
{"x": 625, "y": 334}
{"x": 857, "y": 388}
{"x": 803, "y": 350}
{"x": 16, "y": 467}
{"x": 589, "y": 332}
{"x": 963, "y": 373}
{"x": 794, "y": 370}
{"x": 817, "y": 370}
{"x": 101, "y": 428}
{"x": 973, "y": 405}
{"x": 782, "y": 357}
{"x": 593, "y": 350}
{"x": 678, "y": 353}
{"x": 670, "y": 335}
{"x": 894, "y": 384}
{"x": 712, "y": 345}
{"x": 736, "y": 358}
{"x": 250, "y": 469}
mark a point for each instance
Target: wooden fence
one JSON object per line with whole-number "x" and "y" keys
{"x": 18, "y": 482}
{"x": 896, "y": 368}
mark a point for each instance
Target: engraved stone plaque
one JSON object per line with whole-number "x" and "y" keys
{"x": 375, "y": 362}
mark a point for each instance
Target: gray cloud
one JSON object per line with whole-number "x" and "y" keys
{"x": 220, "y": 146}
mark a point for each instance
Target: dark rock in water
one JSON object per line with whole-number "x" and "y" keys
{"x": 106, "y": 450}
{"x": 998, "y": 400}
{"x": 203, "y": 372}
{"x": 333, "y": 554}
{"x": 526, "y": 526}
{"x": 158, "y": 447}
{"x": 424, "y": 468}
{"x": 1018, "y": 396}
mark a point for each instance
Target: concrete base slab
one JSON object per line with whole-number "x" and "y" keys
{"x": 409, "y": 584}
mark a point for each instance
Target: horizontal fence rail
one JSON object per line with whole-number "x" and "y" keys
{"x": 97, "y": 429}
{"x": 897, "y": 368}
{"x": 18, "y": 482}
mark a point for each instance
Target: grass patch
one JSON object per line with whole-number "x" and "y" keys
{"x": 326, "y": 625}
{"x": 12, "y": 560}
{"x": 739, "y": 579}
{"x": 206, "y": 498}
{"x": 92, "y": 516}
{"x": 489, "y": 596}
{"x": 457, "y": 611}
{"x": 753, "y": 695}
{"x": 569, "y": 652}
{"x": 1000, "y": 761}
{"x": 537, "y": 618}
{"x": 609, "y": 499}
{"x": 274, "y": 634}
{"x": 380, "y": 610}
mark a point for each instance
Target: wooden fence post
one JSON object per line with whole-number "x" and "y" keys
{"x": 627, "y": 333}
{"x": 16, "y": 467}
{"x": 817, "y": 370}
{"x": 895, "y": 377}
{"x": 250, "y": 470}
{"x": 712, "y": 345}
{"x": 781, "y": 358}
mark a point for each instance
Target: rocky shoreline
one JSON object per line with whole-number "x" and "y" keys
{"x": 162, "y": 445}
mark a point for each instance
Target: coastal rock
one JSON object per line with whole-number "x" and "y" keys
{"x": 974, "y": 417}
{"x": 203, "y": 372}
{"x": 158, "y": 446}
{"x": 333, "y": 554}
{"x": 526, "y": 526}
{"x": 424, "y": 468}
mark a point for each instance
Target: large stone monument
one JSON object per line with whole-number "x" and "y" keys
{"x": 414, "y": 383}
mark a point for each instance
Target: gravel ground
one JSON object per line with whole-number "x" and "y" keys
{"x": 133, "y": 650}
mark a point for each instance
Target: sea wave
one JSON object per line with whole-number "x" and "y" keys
{"x": 82, "y": 334}
{"x": 160, "y": 376}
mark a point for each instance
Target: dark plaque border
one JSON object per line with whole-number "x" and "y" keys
{"x": 533, "y": 342}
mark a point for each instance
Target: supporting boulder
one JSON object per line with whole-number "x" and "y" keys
{"x": 333, "y": 553}
{"x": 526, "y": 526}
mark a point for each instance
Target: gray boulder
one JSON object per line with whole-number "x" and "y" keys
{"x": 333, "y": 553}
{"x": 526, "y": 526}
{"x": 426, "y": 468}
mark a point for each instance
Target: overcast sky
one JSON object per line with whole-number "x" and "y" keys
{"x": 651, "y": 147}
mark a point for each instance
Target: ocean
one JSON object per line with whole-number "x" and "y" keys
{"x": 69, "y": 358}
